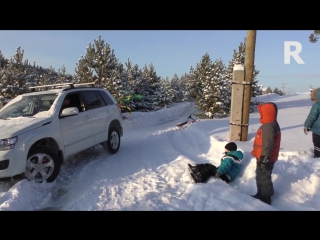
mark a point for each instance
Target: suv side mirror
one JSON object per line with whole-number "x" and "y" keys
{"x": 71, "y": 111}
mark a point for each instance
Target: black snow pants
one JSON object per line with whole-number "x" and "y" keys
{"x": 263, "y": 178}
{"x": 208, "y": 170}
{"x": 316, "y": 144}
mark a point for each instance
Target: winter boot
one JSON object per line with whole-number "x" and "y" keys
{"x": 258, "y": 194}
{"x": 196, "y": 178}
{"x": 262, "y": 198}
{"x": 265, "y": 199}
{"x": 192, "y": 169}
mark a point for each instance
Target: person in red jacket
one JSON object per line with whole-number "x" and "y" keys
{"x": 266, "y": 149}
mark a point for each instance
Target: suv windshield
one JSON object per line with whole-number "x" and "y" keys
{"x": 28, "y": 106}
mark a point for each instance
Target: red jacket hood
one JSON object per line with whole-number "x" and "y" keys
{"x": 268, "y": 112}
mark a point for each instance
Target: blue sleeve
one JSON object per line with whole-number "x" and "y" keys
{"x": 314, "y": 113}
{"x": 225, "y": 165}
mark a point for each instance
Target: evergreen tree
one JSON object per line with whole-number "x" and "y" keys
{"x": 102, "y": 60}
{"x": 166, "y": 93}
{"x": 151, "y": 88}
{"x": 83, "y": 73}
{"x": 193, "y": 84}
{"x": 314, "y": 37}
{"x": 212, "y": 86}
{"x": 268, "y": 90}
{"x": 177, "y": 89}
{"x": 133, "y": 87}
{"x": 62, "y": 76}
{"x": 184, "y": 83}
{"x": 3, "y": 61}
{"x": 223, "y": 102}
{"x": 207, "y": 82}
{"x": 16, "y": 77}
{"x": 48, "y": 77}
{"x": 277, "y": 91}
{"x": 3, "y": 85}
{"x": 239, "y": 58}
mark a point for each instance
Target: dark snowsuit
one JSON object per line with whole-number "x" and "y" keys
{"x": 229, "y": 167}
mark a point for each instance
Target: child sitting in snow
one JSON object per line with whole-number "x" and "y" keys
{"x": 227, "y": 171}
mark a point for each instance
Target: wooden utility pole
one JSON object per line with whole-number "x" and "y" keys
{"x": 249, "y": 67}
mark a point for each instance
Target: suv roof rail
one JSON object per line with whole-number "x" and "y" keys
{"x": 60, "y": 85}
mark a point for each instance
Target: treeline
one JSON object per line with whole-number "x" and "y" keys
{"x": 275, "y": 90}
{"x": 208, "y": 83}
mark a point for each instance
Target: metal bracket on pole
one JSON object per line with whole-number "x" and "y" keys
{"x": 237, "y": 124}
{"x": 242, "y": 83}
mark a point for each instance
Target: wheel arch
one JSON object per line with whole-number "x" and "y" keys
{"x": 116, "y": 124}
{"x": 50, "y": 143}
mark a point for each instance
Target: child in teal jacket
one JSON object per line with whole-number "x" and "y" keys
{"x": 227, "y": 171}
{"x": 312, "y": 122}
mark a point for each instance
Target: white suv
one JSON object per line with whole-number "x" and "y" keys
{"x": 40, "y": 130}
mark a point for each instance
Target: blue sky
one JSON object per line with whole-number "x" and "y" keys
{"x": 173, "y": 51}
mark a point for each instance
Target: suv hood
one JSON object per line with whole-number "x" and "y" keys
{"x": 16, "y": 126}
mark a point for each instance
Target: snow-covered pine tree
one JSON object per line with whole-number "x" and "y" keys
{"x": 119, "y": 79}
{"x": 166, "y": 92}
{"x": 151, "y": 88}
{"x": 210, "y": 102}
{"x": 206, "y": 84}
{"x": 101, "y": 58}
{"x": 3, "y": 61}
{"x": 129, "y": 82}
{"x": 62, "y": 76}
{"x": 131, "y": 87}
{"x": 193, "y": 85}
{"x": 83, "y": 73}
{"x": 185, "y": 79}
{"x": 256, "y": 88}
{"x": 222, "y": 103}
{"x": 48, "y": 77}
{"x": 18, "y": 76}
{"x": 3, "y": 72}
{"x": 239, "y": 58}
{"x": 135, "y": 79}
{"x": 177, "y": 89}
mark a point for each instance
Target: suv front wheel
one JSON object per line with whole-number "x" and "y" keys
{"x": 43, "y": 164}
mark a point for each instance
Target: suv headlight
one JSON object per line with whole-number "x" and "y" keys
{"x": 7, "y": 144}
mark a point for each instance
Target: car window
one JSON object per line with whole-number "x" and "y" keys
{"x": 72, "y": 100}
{"x": 28, "y": 105}
{"x": 92, "y": 100}
{"x": 106, "y": 98}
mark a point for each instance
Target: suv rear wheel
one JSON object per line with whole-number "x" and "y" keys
{"x": 113, "y": 143}
{"x": 43, "y": 164}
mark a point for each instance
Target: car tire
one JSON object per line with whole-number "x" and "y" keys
{"x": 43, "y": 164}
{"x": 112, "y": 145}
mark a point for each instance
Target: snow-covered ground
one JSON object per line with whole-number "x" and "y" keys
{"x": 150, "y": 170}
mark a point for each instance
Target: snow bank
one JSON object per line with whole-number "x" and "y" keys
{"x": 154, "y": 118}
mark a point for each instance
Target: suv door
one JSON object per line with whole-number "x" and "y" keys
{"x": 98, "y": 110}
{"x": 76, "y": 130}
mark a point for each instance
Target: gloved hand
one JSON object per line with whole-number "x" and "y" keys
{"x": 263, "y": 161}
{"x": 306, "y": 130}
{"x": 217, "y": 175}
